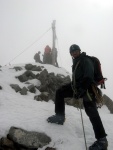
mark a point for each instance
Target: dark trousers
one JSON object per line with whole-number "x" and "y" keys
{"x": 90, "y": 109}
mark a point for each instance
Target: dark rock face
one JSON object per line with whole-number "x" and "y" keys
{"x": 17, "y": 68}
{"x": 28, "y": 139}
{"x": 44, "y": 96}
{"x": 16, "y": 87}
{"x": 49, "y": 82}
{"x": 24, "y": 91}
{"x": 19, "y": 139}
{"x": 33, "y": 67}
{"x": 28, "y": 75}
{"x": 6, "y": 144}
{"x": 31, "y": 88}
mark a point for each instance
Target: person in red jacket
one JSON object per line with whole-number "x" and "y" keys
{"x": 47, "y": 58}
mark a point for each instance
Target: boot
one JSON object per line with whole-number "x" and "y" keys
{"x": 100, "y": 144}
{"x": 58, "y": 119}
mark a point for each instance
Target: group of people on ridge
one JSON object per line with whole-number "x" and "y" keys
{"x": 47, "y": 56}
{"x": 81, "y": 87}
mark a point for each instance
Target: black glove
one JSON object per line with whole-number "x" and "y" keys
{"x": 80, "y": 93}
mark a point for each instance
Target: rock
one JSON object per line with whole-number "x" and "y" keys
{"x": 22, "y": 78}
{"x": 28, "y": 66}
{"x": 43, "y": 76}
{"x": 33, "y": 67}
{"x": 43, "y": 88}
{"x": 28, "y": 139}
{"x": 31, "y": 88}
{"x": 43, "y": 96}
{"x": 16, "y": 87}
{"x": 28, "y": 75}
{"x": 50, "y": 83}
{"x": 17, "y": 68}
{"x": 24, "y": 91}
{"x": 37, "y": 68}
{"x": 6, "y": 143}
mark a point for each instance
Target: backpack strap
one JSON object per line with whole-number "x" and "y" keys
{"x": 74, "y": 81}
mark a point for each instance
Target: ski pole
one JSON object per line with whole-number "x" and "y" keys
{"x": 80, "y": 102}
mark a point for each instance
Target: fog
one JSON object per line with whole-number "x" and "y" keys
{"x": 88, "y": 23}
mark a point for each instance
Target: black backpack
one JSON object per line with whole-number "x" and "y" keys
{"x": 98, "y": 76}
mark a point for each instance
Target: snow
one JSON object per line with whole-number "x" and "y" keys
{"x": 24, "y": 112}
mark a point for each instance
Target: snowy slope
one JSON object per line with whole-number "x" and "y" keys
{"x": 23, "y": 111}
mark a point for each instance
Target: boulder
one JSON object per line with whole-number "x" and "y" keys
{"x": 18, "y": 68}
{"x": 28, "y": 139}
{"x": 31, "y": 88}
{"x": 33, "y": 67}
{"x": 16, "y": 87}
{"x": 24, "y": 91}
{"x": 44, "y": 96}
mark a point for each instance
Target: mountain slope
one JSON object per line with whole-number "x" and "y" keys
{"x": 25, "y": 112}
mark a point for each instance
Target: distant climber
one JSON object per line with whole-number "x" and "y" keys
{"x": 37, "y": 57}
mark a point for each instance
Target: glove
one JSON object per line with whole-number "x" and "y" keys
{"x": 80, "y": 93}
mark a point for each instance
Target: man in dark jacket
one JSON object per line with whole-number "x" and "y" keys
{"x": 81, "y": 87}
{"x": 37, "y": 57}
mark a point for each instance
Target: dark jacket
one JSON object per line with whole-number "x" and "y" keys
{"x": 37, "y": 57}
{"x": 83, "y": 75}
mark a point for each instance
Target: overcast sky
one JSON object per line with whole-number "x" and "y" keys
{"x": 88, "y": 23}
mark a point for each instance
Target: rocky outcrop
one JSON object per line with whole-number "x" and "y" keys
{"x": 44, "y": 96}
{"x": 18, "y": 68}
{"x": 16, "y": 87}
{"x": 49, "y": 84}
{"x": 18, "y": 138}
{"x": 28, "y": 75}
{"x": 33, "y": 67}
